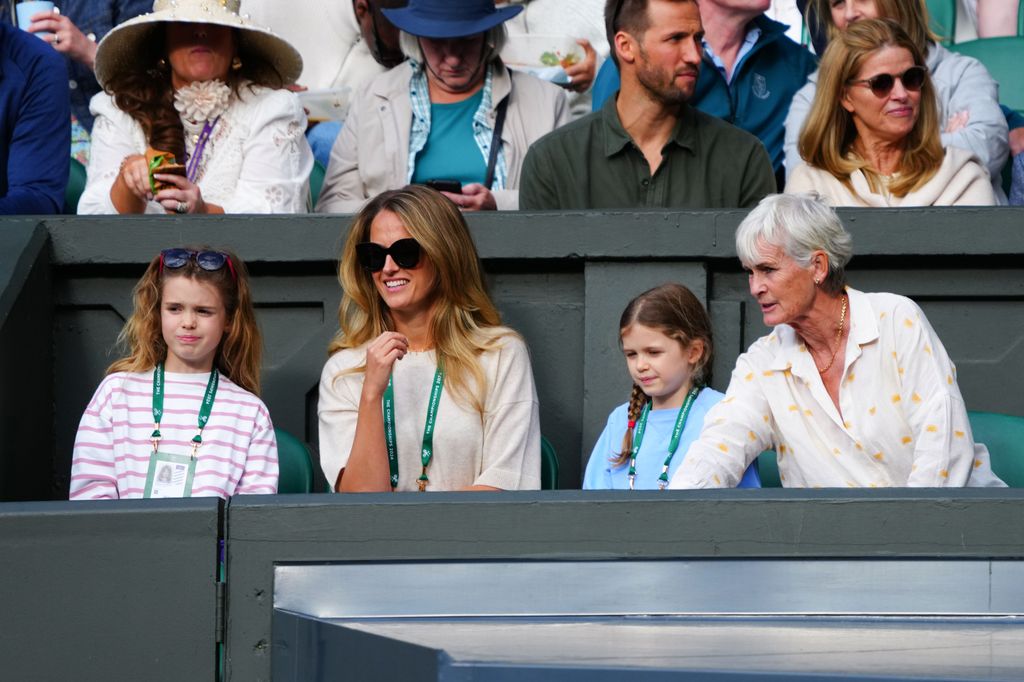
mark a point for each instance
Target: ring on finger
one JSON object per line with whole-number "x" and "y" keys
{"x": 56, "y": 38}
{"x": 182, "y": 207}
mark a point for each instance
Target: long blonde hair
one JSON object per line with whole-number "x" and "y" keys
{"x": 238, "y": 355}
{"x": 826, "y": 140}
{"x": 465, "y": 322}
{"x": 677, "y": 313}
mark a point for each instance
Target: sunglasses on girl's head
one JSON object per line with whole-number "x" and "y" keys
{"x": 172, "y": 259}
{"x": 405, "y": 253}
{"x": 882, "y": 84}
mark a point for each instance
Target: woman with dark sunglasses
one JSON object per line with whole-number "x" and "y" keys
{"x": 968, "y": 98}
{"x": 872, "y": 136}
{"x": 425, "y": 389}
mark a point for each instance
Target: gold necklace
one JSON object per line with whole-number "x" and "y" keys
{"x": 839, "y": 337}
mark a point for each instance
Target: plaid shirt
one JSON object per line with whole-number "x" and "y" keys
{"x": 483, "y": 128}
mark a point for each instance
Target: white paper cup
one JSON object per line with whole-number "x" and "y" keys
{"x": 27, "y": 10}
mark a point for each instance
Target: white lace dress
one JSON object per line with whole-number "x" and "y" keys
{"x": 256, "y": 161}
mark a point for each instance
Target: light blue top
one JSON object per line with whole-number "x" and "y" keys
{"x": 601, "y": 475}
{"x": 749, "y": 40}
{"x": 451, "y": 151}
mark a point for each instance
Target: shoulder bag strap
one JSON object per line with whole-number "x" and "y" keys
{"x": 499, "y": 123}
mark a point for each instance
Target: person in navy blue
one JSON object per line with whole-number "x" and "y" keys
{"x": 74, "y": 32}
{"x": 750, "y": 73}
{"x": 35, "y": 130}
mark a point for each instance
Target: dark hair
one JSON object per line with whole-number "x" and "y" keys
{"x": 629, "y": 16}
{"x": 674, "y": 310}
{"x": 143, "y": 90}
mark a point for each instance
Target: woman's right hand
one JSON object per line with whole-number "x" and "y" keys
{"x": 134, "y": 175}
{"x": 381, "y": 355}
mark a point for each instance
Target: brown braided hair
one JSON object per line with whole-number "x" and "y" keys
{"x": 673, "y": 310}
{"x": 144, "y": 90}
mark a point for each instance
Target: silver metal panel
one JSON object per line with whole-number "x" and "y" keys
{"x": 594, "y": 588}
{"x": 891, "y": 648}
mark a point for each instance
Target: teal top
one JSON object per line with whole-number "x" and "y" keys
{"x": 451, "y": 152}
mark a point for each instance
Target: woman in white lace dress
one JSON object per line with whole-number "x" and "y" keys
{"x": 195, "y": 81}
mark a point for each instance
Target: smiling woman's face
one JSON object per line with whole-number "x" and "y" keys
{"x": 199, "y": 52}
{"x": 407, "y": 292}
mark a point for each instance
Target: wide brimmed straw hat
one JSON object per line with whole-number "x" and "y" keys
{"x": 449, "y": 19}
{"x": 122, "y": 46}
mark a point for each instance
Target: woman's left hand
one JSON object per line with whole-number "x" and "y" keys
{"x": 66, "y": 38}
{"x": 474, "y": 197}
{"x": 184, "y": 197}
{"x": 582, "y": 73}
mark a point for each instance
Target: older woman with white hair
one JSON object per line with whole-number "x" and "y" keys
{"x": 851, "y": 389}
{"x": 451, "y": 116}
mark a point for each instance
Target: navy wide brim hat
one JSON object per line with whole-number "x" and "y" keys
{"x": 449, "y": 18}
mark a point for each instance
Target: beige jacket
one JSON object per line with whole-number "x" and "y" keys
{"x": 960, "y": 181}
{"x": 371, "y": 154}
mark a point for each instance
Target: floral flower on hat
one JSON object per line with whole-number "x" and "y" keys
{"x": 203, "y": 101}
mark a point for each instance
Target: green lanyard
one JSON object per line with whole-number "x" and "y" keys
{"x": 204, "y": 409}
{"x": 427, "y": 451}
{"x": 673, "y": 444}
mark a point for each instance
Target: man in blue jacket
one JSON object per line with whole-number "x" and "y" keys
{"x": 750, "y": 72}
{"x": 35, "y": 128}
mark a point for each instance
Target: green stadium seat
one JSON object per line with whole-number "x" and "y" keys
{"x": 942, "y": 19}
{"x": 76, "y": 185}
{"x": 316, "y": 182}
{"x": 769, "y": 470}
{"x": 548, "y": 465}
{"x": 1002, "y": 58}
{"x": 1003, "y": 435}
{"x": 295, "y": 463}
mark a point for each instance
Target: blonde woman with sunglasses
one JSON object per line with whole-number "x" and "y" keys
{"x": 425, "y": 390}
{"x": 968, "y": 98}
{"x": 872, "y": 136}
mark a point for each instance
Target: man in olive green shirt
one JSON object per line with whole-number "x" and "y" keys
{"x": 648, "y": 148}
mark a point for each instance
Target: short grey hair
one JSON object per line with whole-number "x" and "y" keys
{"x": 799, "y": 224}
{"x": 495, "y": 39}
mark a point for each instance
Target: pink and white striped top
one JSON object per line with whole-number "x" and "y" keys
{"x": 112, "y": 448}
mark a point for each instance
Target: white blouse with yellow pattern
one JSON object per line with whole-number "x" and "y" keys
{"x": 903, "y": 421}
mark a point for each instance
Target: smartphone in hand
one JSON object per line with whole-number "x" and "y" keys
{"x": 452, "y": 186}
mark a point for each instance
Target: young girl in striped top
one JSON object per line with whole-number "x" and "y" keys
{"x": 665, "y": 335}
{"x": 178, "y": 417}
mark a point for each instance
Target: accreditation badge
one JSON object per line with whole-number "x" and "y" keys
{"x": 169, "y": 475}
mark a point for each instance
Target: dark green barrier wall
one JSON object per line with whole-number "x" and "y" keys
{"x": 109, "y": 590}
{"x": 26, "y": 362}
{"x": 576, "y": 525}
{"x": 127, "y": 590}
{"x": 561, "y": 279}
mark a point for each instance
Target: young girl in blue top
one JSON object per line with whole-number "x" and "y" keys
{"x": 665, "y": 335}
